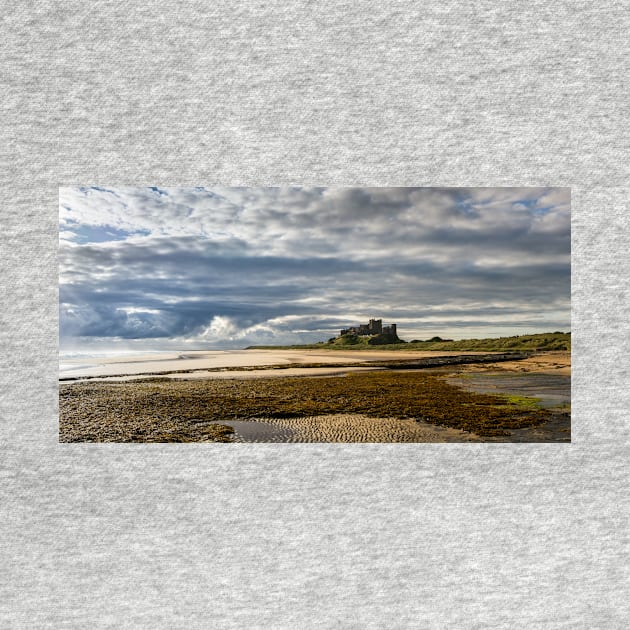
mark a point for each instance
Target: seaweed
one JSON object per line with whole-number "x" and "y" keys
{"x": 193, "y": 410}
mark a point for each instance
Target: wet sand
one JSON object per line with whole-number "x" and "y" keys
{"x": 343, "y": 428}
{"x": 236, "y": 374}
{"x": 552, "y": 362}
{"x": 208, "y": 364}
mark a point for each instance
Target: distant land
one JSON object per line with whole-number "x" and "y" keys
{"x": 540, "y": 341}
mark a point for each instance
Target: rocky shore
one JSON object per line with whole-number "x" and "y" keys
{"x": 397, "y": 404}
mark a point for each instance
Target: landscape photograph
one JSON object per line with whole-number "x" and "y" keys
{"x": 314, "y": 314}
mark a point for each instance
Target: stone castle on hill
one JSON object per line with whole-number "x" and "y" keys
{"x": 374, "y": 327}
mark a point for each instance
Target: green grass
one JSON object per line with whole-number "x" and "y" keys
{"x": 523, "y": 402}
{"x": 540, "y": 341}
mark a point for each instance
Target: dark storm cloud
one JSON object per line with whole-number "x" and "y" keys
{"x": 252, "y": 263}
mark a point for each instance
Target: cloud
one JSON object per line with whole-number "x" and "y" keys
{"x": 237, "y": 264}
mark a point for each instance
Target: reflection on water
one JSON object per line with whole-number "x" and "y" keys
{"x": 552, "y": 389}
{"x": 553, "y": 392}
{"x": 248, "y": 431}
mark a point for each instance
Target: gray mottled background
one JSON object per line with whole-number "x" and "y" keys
{"x": 314, "y": 536}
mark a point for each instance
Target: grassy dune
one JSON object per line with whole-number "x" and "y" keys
{"x": 541, "y": 341}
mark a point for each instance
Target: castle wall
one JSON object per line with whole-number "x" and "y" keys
{"x": 374, "y": 327}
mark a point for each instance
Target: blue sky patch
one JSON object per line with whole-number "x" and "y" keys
{"x": 102, "y": 234}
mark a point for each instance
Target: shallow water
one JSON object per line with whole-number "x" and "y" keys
{"x": 248, "y": 431}
{"x": 337, "y": 428}
{"x": 552, "y": 389}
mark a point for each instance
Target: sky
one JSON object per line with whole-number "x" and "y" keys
{"x": 202, "y": 268}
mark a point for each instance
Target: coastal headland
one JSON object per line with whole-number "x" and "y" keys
{"x": 317, "y": 395}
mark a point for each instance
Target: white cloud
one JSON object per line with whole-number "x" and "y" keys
{"x": 220, "y": 328}
{"x": 259, "y": 263}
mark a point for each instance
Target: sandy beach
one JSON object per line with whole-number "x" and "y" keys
{"x": 552, "y": 362}
{"x": 208, "y": 364}
{"x": 525, "y": 400}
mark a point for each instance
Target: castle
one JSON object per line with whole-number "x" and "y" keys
{"x": 375, "y": 327}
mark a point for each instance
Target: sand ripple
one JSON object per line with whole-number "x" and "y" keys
{"x": 345, "y": 428}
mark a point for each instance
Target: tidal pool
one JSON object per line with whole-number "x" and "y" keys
{"x": 552, "y": 391}
{"x": 254, "y": 431}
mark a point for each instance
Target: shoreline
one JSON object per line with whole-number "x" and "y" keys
{"x": 379, "y": 405}
{"x": 292, "y": 364}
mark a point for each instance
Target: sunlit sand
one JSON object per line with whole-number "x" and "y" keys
{"x": 173, "y": 364}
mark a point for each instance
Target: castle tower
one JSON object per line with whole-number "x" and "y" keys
{"x": 376, "y": 326}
